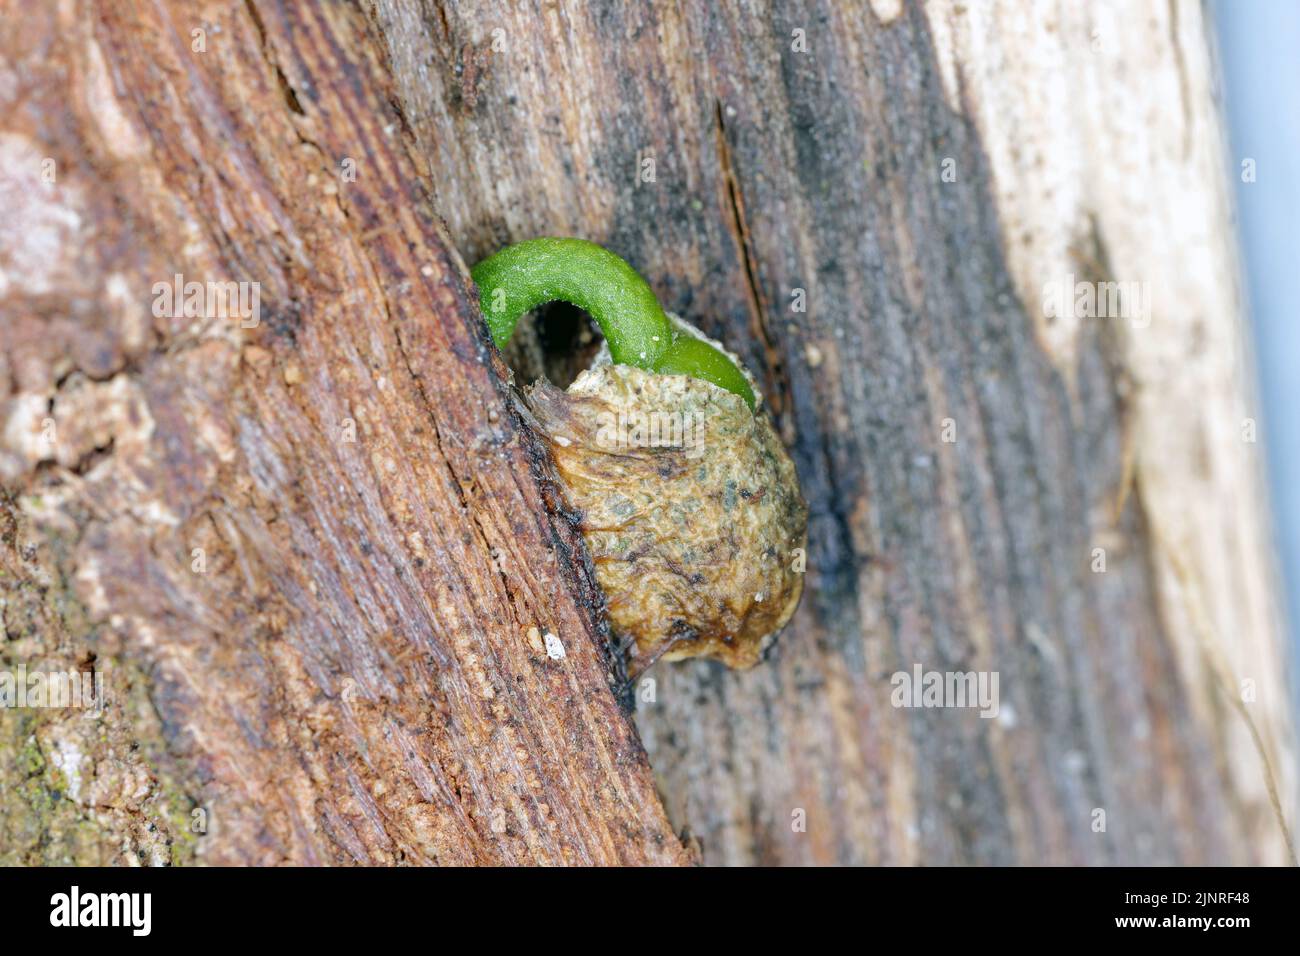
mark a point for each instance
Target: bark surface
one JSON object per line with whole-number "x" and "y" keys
{"x": 313, "y": 557}
{"x": 318, "y": 559}
{"x": 916, "y": 175}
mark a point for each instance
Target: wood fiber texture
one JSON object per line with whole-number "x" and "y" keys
{"x": 916, "y": 174}
{"x": 322, "y": 561}
{"x": 312, "y": 556}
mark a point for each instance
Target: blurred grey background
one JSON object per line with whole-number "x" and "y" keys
{"x": 1259, "y": 50}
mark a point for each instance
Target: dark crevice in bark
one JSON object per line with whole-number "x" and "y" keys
{"x": 776, "y": 382}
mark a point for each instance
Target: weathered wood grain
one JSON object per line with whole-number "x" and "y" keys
{"x": 312, "y": 556}
{"x": 1081, "y": 142}
{"x": 354, "y": 670}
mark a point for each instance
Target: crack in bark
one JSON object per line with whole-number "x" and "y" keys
{"x": 1181, "y": 65}
{"x": 738, "y": 226}
{"x": 286, "y": 88}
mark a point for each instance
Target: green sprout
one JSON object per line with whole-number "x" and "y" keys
{"x": 536, "y": 271}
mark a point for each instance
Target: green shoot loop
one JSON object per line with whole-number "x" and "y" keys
{"x": 691, "y": 356}
{"x": 536, "y": 271}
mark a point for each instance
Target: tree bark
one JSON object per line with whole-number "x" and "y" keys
{"x": 866, "y": 202}
{"x": 799, "y": 154}
{"x": 314, "y": 557}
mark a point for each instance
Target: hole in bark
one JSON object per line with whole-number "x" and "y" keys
{"x": 556, "y": 340}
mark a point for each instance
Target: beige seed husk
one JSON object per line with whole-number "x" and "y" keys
{"x": 690, "y": 507}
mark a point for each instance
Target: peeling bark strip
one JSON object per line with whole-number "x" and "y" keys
{"x": 309, "y": 549}
{"x": 799, "y": 151}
